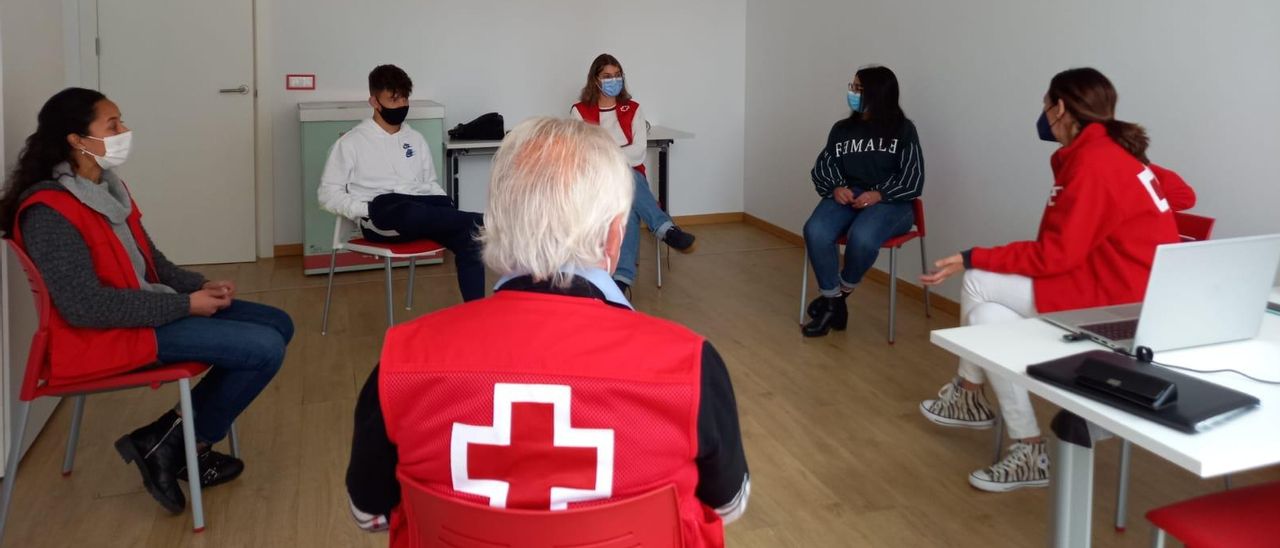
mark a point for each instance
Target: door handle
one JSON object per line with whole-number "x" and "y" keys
{"x": 242, "y": 90}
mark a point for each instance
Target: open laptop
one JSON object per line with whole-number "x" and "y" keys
{"x": 1199, "y": 293}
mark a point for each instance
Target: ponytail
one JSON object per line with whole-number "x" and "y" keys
{"x": 1131, "y": 137}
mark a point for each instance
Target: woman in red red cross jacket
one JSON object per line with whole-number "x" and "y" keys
{"x": 605, "y": 102}
{"x": 553, "y": 393}
{"x": 1108, "y": 210}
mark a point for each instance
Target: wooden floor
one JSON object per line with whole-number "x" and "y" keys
{"x": 839, "y": 454}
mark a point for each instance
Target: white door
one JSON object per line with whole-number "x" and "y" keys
{"x": 182, "y": 73}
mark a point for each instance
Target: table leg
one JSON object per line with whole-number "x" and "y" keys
{"x": 662, "y": 176}
{"x": 1072, "y": 482}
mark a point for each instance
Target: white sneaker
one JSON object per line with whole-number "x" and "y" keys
{"x": 1026, "y": 465}
{"x": 958, "y": 407}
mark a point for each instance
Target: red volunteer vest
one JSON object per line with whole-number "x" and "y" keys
{"x": 548, "y": 402}
{"x": 626, "y": 114}
{"x": 81, "y": 354}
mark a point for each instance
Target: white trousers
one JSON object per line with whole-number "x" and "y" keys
{"x": 988, "y": 297}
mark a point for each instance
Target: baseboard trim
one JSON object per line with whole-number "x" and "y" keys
{"x": 708, "y": 218}
{"x": 288, "y": 250}
{"x": 906, "y": 289}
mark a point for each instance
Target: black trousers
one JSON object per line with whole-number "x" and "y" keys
{"x": 433, "y": 218}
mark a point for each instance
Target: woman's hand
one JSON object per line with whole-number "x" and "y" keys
{"x": 226, "y": 286}
{"x": 866, "y": 199}
{"x": 842, "y": 195}
{"x": 208, "y": 302}
{"x": 946, "y": 268}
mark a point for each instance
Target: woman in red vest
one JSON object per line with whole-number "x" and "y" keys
{"x": 119, "y": 304}
{"x": 1108, "y": 210}
{"x": 605, "y": 102}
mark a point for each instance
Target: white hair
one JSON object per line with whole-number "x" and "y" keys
{"x": 556, "y": 187}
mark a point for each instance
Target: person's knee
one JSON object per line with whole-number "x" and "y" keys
{"x": 988, "y": 313}
{"x": 862, "y": 242}
{"x": 817, "y": 231}
{"x": 264, "y": 346}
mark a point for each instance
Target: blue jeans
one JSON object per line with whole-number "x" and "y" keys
{"x": 644, "y": 208}
{"x": 866, "y": 229}
{"x": 244, "y": 346}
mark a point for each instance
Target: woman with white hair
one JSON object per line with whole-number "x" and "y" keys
{"x": 552, "y": 393}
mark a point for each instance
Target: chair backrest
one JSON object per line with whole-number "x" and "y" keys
{"x": 917, "y": 206}
{"x": 651, "y": 520}
{"x": 38, "y": 356}
{"x": 343, "y": 230}
{"x": 1193, "y": 228}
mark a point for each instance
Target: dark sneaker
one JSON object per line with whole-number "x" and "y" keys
{"x": 215, "y": 468}
{"x": 680, "y": 240}
{"x": 158, "y": 452}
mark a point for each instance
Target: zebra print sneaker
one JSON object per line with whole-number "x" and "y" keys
{"x": 1026, "y": 465}
{"x": 956, "y": 406}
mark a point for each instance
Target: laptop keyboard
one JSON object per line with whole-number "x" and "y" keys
{"x": 1116, "y": 331}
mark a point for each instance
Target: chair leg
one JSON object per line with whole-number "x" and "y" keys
{"x": 328, "y": 294}
{"x": 11, "y": 465}
{"x": 193, "y": 463}
{"x": 995, "y": 457}
{"x": 804, "y": 284}
{"x": 924, "y": 269}
{"x": 1122, "y": 485}
{"x": 391, "y": 313}
{"x": 893, "y": 291}
{"x": 73, "y": 439}
{"x": 408, "y": 301}
{"x": 234, "y": 440}
{"x": 658, "y": 259}
{"x": 1157, "y": 538}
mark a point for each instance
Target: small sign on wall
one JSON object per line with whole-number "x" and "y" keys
{"x": 300, "y": 81}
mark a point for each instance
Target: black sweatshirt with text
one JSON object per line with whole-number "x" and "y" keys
{"x": 859, "y": 156}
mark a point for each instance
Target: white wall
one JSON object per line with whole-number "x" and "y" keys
{"x": 31, "y": 69}
{"x": 684, "y": 60}
{"x": 1203, "y": 79}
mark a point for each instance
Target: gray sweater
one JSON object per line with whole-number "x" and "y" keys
{"x": 63, "y": 259}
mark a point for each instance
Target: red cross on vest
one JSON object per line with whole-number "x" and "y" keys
{"x": 532, "y": 457}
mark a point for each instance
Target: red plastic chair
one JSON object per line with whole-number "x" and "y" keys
{"x": 1248, "y": 517}
{"x": 343, "y": 230}
{"x": 651, "y": 521}
{"x": 35, "y": 384}
{"x": 893, "y": 244}
{"x": 1193, "y": 228}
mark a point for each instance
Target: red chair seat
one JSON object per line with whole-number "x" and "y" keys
{"x": 897, "y": 241}
{"x": 144, "y": 377}
{"x": 416, "y": 247}
{"x": 1239, "y": 518}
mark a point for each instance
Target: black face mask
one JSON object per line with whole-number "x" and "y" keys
{"x": 1044, "y": 128}
{"x": 394, "y": 116}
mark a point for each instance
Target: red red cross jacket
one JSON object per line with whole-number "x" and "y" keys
{"x": 81, "y": 354}
{"x": 1098, "y": 236}
{"x": 538, "y": 400}
{"x": 626, "y": 115}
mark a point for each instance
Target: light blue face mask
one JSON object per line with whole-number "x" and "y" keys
{"x": 611, "y": 86}
{"x": 855, "y": 101}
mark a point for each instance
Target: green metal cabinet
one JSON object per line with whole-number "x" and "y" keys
{"x": 322, "y": 124}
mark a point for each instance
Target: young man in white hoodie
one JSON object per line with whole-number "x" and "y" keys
{"x": 380, "y": 175}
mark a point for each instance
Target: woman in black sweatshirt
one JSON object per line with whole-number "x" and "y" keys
{"x": 867, "y": 175}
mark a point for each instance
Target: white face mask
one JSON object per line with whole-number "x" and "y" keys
{"x": 117, "y": 150}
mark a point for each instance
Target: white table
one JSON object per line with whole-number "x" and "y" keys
{"x": 1246, "y": 442}
{"x": 660, "y": 137}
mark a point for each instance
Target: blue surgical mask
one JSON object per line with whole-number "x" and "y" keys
{"x": 611, "y": 86}
{"x": 855, "y": 101}
{"x": 1044, "y": 128}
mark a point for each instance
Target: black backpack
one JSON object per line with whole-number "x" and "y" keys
{"x": 488, "y": 127}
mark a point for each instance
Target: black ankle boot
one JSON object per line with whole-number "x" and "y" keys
{"x": 158, "y": 452}
{"x": 835, "y": 315}
{"x": 215, "y": 468}
{"x": 817, "y": 305}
